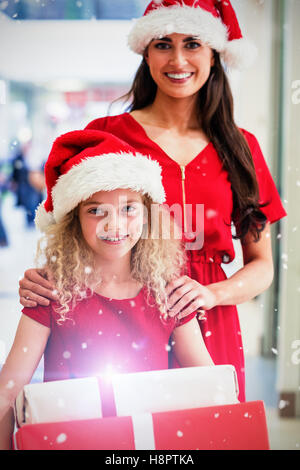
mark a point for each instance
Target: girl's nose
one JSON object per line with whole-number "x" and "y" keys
{"x": 112, "y": 223}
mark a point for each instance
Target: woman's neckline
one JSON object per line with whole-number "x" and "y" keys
{"x": 141, "y": 128}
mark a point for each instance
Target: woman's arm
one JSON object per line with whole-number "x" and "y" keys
{"x": 28, "y": 347}
{"x": 254, "y": 278}
{"x": 187, "y": 295}
{"x": 36, "y": 288}
{"x": 189, "y": 347}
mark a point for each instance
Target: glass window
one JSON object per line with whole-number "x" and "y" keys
{"x": 74, "y": 9}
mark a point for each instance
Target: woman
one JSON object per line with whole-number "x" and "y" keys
{"x": 182, "y": 115}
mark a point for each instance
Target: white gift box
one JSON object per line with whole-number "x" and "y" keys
{"x": 127, "y": 394}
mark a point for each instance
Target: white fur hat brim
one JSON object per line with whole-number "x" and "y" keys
{"x": 182, "y": 19}
{"x": 177, "y": 19}
{"x": 102, "y": 173}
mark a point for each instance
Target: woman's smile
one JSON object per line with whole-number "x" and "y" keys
{"x": 179, "y": 77}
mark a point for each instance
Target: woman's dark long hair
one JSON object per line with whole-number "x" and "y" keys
{"x": 215, "y": 116}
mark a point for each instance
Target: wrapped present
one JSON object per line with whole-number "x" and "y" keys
{"x": 127, "y": 394}
{"x": 229, "y": 427}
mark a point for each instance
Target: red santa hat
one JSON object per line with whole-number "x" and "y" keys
{"x": 82, "y": 163}
{"x": 212, "y": 21}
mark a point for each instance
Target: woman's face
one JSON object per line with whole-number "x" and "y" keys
{"x": 112, "y": 222}
{"x": 179, "y": 64}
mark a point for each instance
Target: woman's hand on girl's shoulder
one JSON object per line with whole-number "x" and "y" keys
{"x": 36, "y": 288}
{"x": 187, "y": 295}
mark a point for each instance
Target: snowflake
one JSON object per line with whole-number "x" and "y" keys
{"x": 10, "y": 384}
{"x": 61, "y": 438}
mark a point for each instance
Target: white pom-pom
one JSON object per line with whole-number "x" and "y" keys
{"x": 239, "y": 54}
{"x": 43, "y": 218}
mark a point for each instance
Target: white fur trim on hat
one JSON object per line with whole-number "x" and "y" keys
{"x": 43, "y": 218}
{"x": 178, "y": 19}
{"x": 104, "y": 173}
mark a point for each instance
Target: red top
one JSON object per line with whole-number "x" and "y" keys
{"x": 202, "y": 181}
{"x": 105, "y": 335}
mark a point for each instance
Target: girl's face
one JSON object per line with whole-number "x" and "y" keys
{"x": 112, "y": 222}
{"x": 179, "y": 64}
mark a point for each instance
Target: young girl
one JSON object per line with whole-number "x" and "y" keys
{"x": 109, "y": 271}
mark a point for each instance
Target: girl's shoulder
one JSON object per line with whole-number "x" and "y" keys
{"x": 42, "y": 314}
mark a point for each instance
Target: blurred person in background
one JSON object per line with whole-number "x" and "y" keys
{"x": 28, "y": 185}
{"x": 4, "y": 186}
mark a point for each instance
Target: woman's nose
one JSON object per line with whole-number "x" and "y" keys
{"x": 178, "y": 57}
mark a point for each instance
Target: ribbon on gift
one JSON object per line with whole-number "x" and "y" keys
{"x": 127, "y": 394}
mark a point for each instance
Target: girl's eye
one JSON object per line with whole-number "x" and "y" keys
{"x": 97, "y": 211}
{"x": 129, "y": 209}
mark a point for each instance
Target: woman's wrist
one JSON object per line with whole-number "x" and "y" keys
{"x": 220, "y": 293}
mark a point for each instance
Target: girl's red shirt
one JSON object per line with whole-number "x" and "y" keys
{"x": 105, "y": 335}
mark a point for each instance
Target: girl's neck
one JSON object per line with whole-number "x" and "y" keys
{"x": 169, "y": 112}
{"x": 115, "y": 279}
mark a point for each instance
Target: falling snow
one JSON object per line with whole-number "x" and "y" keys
{"x": 282, "y": 404}
{"x": 61, "y": 438}
{"x": 10, "y": 384}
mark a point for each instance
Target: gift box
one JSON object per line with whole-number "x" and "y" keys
{"x": 228, "y": 427}
{"x": 126, "y": 394}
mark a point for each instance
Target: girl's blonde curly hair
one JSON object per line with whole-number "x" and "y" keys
{"x": 157, "y": 258}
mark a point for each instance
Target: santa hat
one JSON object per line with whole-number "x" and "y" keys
{"x": 212, "y": 21}
{"x": 82, "y": 163}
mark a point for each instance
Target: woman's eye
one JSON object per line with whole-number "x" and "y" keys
{"x": 193, "y": 45}
{"x": 162, "y": 45}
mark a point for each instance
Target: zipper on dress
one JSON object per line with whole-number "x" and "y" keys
{"x": 183, "y": 196}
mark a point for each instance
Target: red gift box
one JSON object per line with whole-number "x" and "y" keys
{"x": 228, "y": 427}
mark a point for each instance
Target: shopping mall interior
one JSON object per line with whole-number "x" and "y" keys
{"x": 64, "y": 63}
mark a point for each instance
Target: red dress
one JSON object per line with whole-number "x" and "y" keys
{"x": 105, "y": 335}
{"x": 204, "y": 182}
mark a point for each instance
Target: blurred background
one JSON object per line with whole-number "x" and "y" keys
{"x": 62, "y": 63}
